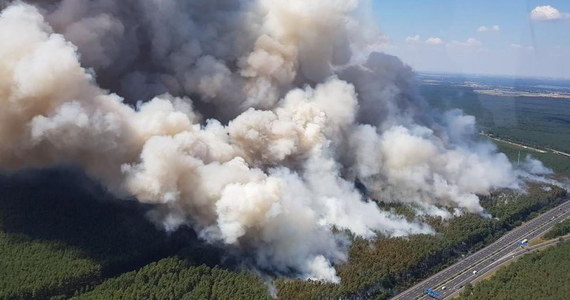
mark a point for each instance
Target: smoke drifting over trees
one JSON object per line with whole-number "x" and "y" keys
{"x": 248, "y": 120}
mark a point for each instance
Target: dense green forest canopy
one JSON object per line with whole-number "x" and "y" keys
{"x": 175, "y": 278}
{"x": 61, "y": 232}
{"x": 62, "y": 235}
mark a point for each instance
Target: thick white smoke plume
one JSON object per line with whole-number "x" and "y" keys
{"x": 288, "y": 112}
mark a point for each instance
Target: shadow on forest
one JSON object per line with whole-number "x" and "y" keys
{"x": 63, "y": 205}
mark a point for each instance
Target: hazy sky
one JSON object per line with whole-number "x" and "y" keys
{"x": 507, "y": 37}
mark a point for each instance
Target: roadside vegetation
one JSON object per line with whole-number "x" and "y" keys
{"x": 559, "y": 230}
{"x": 540, "y": 275}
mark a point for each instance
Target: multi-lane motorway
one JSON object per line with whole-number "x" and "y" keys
{"x": 485, "y": 273}
{"x": 449, "y": 281}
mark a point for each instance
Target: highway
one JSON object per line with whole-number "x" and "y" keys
{"x": 505, "y": 261}
{"x": 501, "y": 251}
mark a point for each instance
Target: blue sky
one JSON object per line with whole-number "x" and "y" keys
{"x": 502, "y": 37}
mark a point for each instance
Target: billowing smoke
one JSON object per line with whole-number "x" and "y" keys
{"x": 250, "y": 121}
